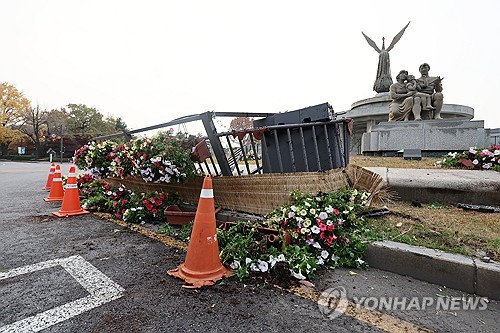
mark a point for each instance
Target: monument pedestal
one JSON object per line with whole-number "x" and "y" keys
{"x": 433, "y": 137}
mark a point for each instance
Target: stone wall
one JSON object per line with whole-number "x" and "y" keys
{"x": 433, "y": 137}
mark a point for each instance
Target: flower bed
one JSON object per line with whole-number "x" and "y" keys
{"x": 164, "y": 158}
{"x": 124, "y": 204}
{"x": 474, "y": 158}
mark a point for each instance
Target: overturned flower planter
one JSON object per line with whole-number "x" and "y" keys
{"x": 177, "y": 216}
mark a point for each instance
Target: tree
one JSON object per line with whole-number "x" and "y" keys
{"x": 34, "y": 127}
{"x": 84, "y": 120}
{"x": 240, "y": 123}
{"x": 13, "y": 104}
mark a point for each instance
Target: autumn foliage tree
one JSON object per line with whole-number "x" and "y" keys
{"x": 13, "y": 105}
{"x": 240, "y": 123}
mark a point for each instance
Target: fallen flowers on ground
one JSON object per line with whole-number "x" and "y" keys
{"x": 474, "y": 158}
{"x": 325, "y": 232}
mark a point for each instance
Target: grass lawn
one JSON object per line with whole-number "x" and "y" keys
{"x": 438, "y": 226}
{"x": 393, "y": 162}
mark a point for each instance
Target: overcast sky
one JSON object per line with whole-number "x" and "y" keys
{"x": 151, "y": 61}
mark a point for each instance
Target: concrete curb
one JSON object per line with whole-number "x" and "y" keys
{"x": 451, "y": 270}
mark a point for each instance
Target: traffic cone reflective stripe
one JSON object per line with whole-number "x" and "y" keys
{"x": 56, "y": 189}
{"x": 71, "y": 201}
{"x": 48, "y": 184}
{"x": 202, "y": 266}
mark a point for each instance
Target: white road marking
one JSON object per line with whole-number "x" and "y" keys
{"x": 101, "y": 289}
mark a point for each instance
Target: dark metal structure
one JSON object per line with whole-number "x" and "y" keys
{"x": 309, "y": 139}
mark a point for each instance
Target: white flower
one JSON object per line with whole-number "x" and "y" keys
{"x": 312, "y": 211}
{"x": 329, "y": 209}
{"x": 293, "y": 208}
{"x": 496, "y": 152}
{"x": 263, "y": 265}
{"x": 329, "y": 222}
{"x": 291, "y": 214}
{"x": 324, "y": 254}
{"x": 335, "y": 258}
{"x": 316, "y": 245}
{"x": 323, "y": 215}
{"x": 475, "y": 162}
{"x": 472, "y": 150}
{"x": 297, "y": 275}
{"x": 272, "y": 261}
{"x": 361, "y": 262}
{"x": 315, "y": 229}
{"x": 307, "y": 223}
{"x": 304, "y": 231}
{"x": 487, "y": 165}
{"x": 235, "y": 265}
{"x": 320, "y": 261}
{"x": 340, "y": 221}
{"x": 307, "y": 204}
{"x": 254, "y": 267}
{"x": 281, "y": 257}
{"x": 247, "y": 261}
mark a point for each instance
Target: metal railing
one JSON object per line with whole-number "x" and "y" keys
{"x": 306, "y": 147}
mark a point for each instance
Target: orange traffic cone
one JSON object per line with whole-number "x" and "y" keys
{"x": 48, "y": 184}
{"x": 71, "y": 201}
{"x": 202, "y": 266}
{"x": 56, "y": 189}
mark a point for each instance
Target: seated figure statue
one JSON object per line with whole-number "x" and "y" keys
{"x": 430, "y": 86}
{"x": 402, "y": 98}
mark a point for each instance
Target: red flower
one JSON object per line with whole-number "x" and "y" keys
{"x": 331, "y": 227}
{"x": 336, "y": 212}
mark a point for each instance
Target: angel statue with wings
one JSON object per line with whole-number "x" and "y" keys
{"x": 384, "y": 80}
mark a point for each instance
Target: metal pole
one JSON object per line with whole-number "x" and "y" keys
{"x": 62, "y": 142}
{"x": 219, "y": 153}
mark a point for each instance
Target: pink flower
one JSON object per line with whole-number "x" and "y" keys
{"x": 336, "y": 212}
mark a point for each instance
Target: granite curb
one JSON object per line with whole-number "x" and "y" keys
{"x": 451, "y": 270}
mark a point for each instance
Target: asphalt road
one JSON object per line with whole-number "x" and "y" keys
{"x": 87, "y": 274}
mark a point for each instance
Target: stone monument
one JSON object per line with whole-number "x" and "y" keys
{"x": 383, "y": 79}
{"x": 410, "y": 114}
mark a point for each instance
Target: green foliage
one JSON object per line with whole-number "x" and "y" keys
{"x": 125, "y": 204}
{"x": 325, "y": 231}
